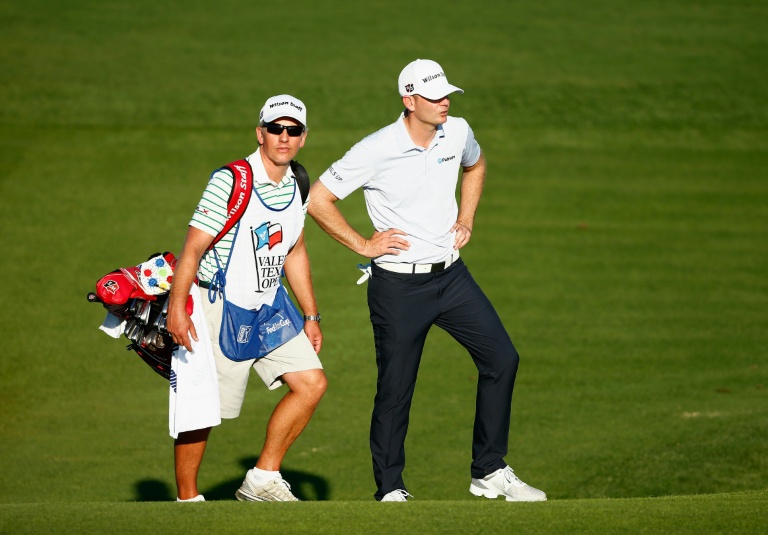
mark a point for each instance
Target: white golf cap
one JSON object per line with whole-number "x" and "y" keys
{"x": 283, "y": 106}
{"x": 426, "y": 78}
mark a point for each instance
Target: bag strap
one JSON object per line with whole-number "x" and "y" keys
{"x": 242, "y": 186}
{"x": 302, "y": 179}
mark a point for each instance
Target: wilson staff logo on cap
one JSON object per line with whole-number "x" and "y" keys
{"x": 426, "y": 78}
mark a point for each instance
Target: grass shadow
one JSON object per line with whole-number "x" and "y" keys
{"x": 154, "y": 490}
{"x": 305, "y": 486}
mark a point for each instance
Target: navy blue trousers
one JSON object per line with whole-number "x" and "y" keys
{"x": 403, "y": 308}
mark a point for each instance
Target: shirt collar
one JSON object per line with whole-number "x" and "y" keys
{"x": 404, "y": 141}
{"x": 260, "y": 174}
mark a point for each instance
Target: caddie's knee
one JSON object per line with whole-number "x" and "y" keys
{"x": 311, "y": 384}
{"x": 319, "y": 384}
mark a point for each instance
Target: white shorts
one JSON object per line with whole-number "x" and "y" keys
{"x": 297, "y": 355}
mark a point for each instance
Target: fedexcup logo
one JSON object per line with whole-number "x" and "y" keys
{"x": 448, "y": 159}
{"x": 244, "y": 334}
{"x": 278, "y": 325}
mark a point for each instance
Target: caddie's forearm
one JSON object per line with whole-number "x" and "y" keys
{"x": 183, "y": 277}
{"x": 185, "y": 271}
{"x": 299, "y": 275}
{"x": 472, "y": 183}
{"x": 301, "y": 284}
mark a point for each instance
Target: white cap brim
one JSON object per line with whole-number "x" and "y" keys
{"x": 440, "y": 91}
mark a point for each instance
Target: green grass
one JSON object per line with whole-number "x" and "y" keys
{"x": 621, "y": 236}
{"x": 722, "y": 513}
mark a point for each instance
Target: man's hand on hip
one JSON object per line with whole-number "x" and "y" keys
{"x": 388, "y": 242}
{"x": 463, "y": 234}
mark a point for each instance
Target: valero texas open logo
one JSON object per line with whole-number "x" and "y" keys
{"x": 268, "y": 267}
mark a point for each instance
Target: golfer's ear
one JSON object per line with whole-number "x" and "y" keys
{"x": 408, "y": 102}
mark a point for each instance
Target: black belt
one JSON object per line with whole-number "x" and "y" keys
{"x": 419, "y": 268}
{"x": 208, "y": 285}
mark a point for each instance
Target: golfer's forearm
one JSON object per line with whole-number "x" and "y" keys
{"x": 323, "y": 210}
{"x": 329, "y": 218}
{"x": 472, "y": 182}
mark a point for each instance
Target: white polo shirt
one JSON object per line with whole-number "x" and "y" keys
{"x": 409, "y": 187}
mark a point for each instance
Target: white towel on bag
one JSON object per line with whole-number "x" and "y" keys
{"x": 194, "y": 390}
{"x": 113, "y": 326}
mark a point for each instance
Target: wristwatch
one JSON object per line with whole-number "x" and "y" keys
{"x": 313, "y": 318}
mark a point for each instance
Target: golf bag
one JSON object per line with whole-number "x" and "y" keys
{"x": 138, "y": 297}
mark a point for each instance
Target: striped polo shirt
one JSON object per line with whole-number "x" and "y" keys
{"x": 211, "y": 211}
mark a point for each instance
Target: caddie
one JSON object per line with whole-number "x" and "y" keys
{"x": 252, "y": 322}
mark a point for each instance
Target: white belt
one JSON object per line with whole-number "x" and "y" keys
{"x": 419, "y": 268}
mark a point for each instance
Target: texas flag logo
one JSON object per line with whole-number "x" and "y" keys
{"x": 268, "y": 235}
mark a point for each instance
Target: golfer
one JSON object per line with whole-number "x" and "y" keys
{"x": 409, "y": 172}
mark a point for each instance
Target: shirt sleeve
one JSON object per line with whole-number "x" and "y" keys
{"x": 472, "y": 151}
{"x": 211, "y": 212}
{"x": 353, "y": 171}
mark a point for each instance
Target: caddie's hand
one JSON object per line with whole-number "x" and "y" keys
{"x": 390, "y": 241}
{"x": 463, "y": 234}
{"x": 312, "y": 330}
{"x": 180, "y": 327}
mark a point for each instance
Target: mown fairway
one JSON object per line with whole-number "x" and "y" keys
{"x": 622, "y": 237}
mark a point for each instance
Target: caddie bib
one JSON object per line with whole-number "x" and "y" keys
{"x": 263, "y": 239}
{"x": 258, "y": 315}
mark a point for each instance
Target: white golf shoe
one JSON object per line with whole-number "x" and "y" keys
{"x": 198, "y": 498}
{"x": 504, "y": 482}
{"x": 399, "y": 495}
{"x": 276, "y": 490}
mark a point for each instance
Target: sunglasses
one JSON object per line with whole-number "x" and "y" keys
{"x": 277, "y": 129}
